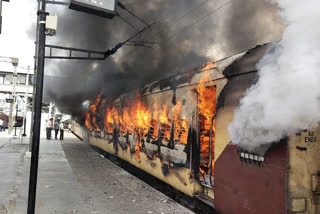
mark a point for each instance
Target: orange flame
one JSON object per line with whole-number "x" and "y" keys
{"x": 125, "y": 121}
{"x": 155, "y": 113}
{"x": 165, "y": 123}
{"x": 140, "y": 115}
{"x": 180, "y": 125}
{"x": 91, "y": 114}
{"x": 164, "y": 115}
{"x": 87, "y": 121}
{"x": 206, "y": 95}
{"x": 207, "y": 110}
{"x": 109, "y": 121}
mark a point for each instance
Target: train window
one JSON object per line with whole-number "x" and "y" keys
{"x": 154, "y": 130}
{"x": 181, "y": 131}
{"x": 207, "y": 112}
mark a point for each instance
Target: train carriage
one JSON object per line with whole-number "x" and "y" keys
{"x": 187, "y": 145}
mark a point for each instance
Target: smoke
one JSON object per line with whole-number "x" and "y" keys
{"x": 286, "y": 97}
{"x": 183, "y": 39}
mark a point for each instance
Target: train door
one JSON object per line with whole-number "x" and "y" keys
{"x": 206, "y": 138}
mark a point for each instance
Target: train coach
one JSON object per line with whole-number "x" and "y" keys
{"x": 176, "y": 130}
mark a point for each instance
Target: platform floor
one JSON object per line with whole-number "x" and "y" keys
{"x": 73, "y": 178}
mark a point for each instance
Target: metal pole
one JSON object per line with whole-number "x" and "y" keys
{"x": 37, "y": 112}
{"x": 26, "y": 104}
{"x": 16, "y": 120}
{"x": 14, "y": 97}
{"x": 0, "y": 15}
{"x": 34, "y": 77}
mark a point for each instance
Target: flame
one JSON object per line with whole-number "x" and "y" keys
{"x": 125, "y": 121}
{"x": 154, "y": 130}
{"x": 205, "y": 96}
{"x": 140, "y": 115}
{"x": 109, "y": 121}
{"x": 141, "y": 119}
{"x": 87, "y": 121}
{"x": 207, "y": 110}
{"x": 180, "y": 125}
{"x": 141, "y": 122}
{"x": 91, "y": 115}
{"x": 155, "y": 113}
{"x": 176, "y": 110}
{"x": 165, "y": 123}
{"x": 208, "y": 66}
{"x": 164, "y": 115}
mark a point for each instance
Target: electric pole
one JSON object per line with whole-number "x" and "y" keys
{"x": 0, "y": 15}
{"x": 37, "y": 110}
{"x": 26, "y": 104}
{"x": 34, "y": 77}
{"x": 14, "y": 62}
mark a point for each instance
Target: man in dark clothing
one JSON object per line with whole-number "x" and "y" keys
{"x": 49, "y": 127}
{"x": 61, "y": 131}
{"x": 56, "y": 129}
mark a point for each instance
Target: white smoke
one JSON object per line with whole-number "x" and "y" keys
{"x": 286, "y": 97}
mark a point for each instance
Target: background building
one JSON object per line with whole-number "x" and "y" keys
{"x": 15, "y": 84}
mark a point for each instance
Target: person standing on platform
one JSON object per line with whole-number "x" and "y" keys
{"x": 50, "y": 127}
{"x": 56, "y": 129}
{"x": 61, "y": 131}
{"x": 47, "y": 129}
{"x": 69, "y": 127}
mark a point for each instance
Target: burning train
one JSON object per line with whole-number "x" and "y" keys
{"x": 176, "y": 130}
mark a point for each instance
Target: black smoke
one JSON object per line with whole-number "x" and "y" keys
{"x": 184, "y": 36}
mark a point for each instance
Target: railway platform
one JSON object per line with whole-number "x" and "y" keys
{"x": 73, "y": 178}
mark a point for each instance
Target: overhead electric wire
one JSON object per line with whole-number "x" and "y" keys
{"x": 200, "y": 20}
{"x": 138, "y": 44}
{"x": 123, "y": 19}
{"x": 161, "y": 19}
{"x": 197, "y": 21}
{"x": 139, "y": 32}
{"x": 194, "y": 23}
{"x": 143, "y": 42}
{"x": 124, "y": 8}
{"x": 182, "y": 17}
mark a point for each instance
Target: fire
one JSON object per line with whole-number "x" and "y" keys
{"x": 140, "y": 115}
{"x": 87, "y": 121}
{"x": 155, "y": 113}
{"x": 208, "y": 66}
{"x": 180, "y": 125}
{"x": 206, "y": 95}
{"x": 126, "y": 123}
{"x": 138, "y": 120}
{"x": 165, "y": 123}
{"x": 109, "y": 121}
{"x": 91, "y": 115}
{"x": 154, "y": 122}
{"x": 164, "y": 115}
{"x": 207, "y": 110}
{"x": 141, "y": 119}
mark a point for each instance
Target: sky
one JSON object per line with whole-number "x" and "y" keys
{"x": 18, "y": 16}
